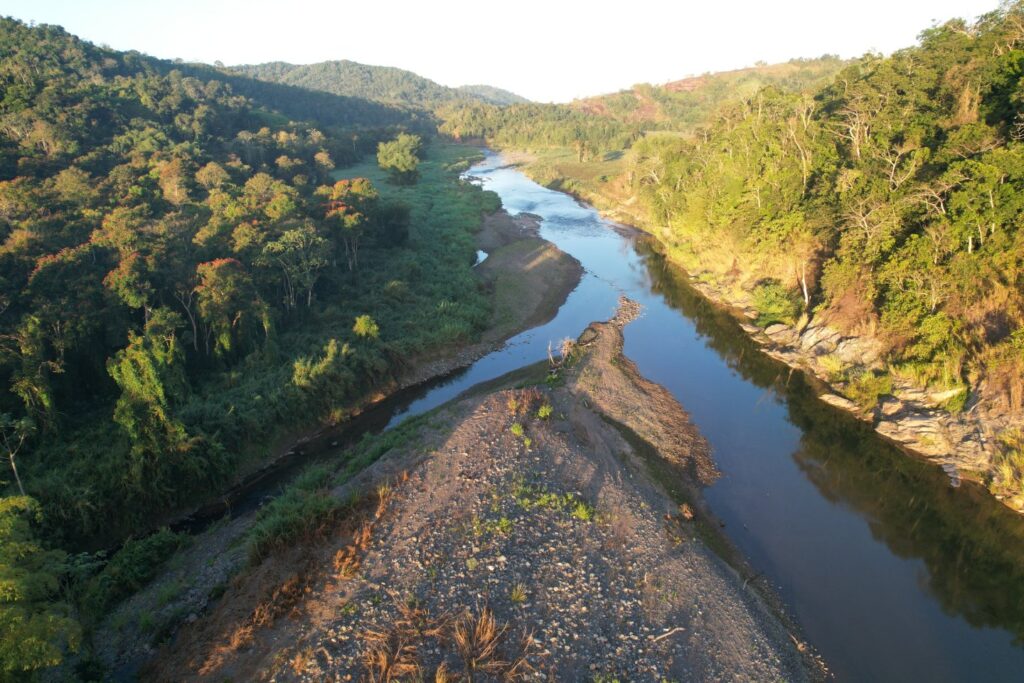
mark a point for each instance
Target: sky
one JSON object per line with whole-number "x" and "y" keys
{"x": 546, "y": 50}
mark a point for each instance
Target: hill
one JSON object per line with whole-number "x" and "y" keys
{"x": 377, "y": 83}
{"x": 492, "y": 95}
{"x": 596, "y": 126}
{"x": 688, "y": 102}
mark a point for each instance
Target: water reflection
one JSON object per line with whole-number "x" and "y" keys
{"x": 885, "y": 564}
{"x": 892, "y": 574}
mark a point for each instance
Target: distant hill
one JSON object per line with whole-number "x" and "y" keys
{"x": 492, "y": 95}
{"x": 384, "y": 84}
{"x": 689, "y": 101}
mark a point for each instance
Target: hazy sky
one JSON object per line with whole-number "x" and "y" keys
{"x": 547, "y": 50}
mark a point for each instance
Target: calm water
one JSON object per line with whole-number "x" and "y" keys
{"x": 892, "y": 574}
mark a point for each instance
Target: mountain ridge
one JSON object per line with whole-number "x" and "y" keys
{"x": 385, "y": 84}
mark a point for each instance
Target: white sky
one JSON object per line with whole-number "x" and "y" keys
{"x": 547, "y": 50}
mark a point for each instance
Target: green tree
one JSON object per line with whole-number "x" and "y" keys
{"x": 36, "y": 629}
{"x": 13, "y": 434}
{"x": 150, "y": 372}
{"x": 228, "y": 302}
{"x": 400, "y": 157}
{"x": 301, "y": 254}
{"x": 350, "y": 206}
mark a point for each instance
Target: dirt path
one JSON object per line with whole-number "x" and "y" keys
{"x": 515, "y": 535}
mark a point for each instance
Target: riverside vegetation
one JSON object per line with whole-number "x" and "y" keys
{"x": 880, "y": 198}
{"x": 189, "y": 276}
{"x": 184, "y": 284}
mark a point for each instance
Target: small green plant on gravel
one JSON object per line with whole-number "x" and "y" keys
{"x": 502, "y": 526}
{"x": 532, "y": 497}
{"x": 527, "y": 441}
{"x": 471, "y": 563}
{"x": 544, "y": 412}
{"x": 518, "y": 593}
{"x": 583, "y": 511}
{"x": 146, "y": 622}
{"x": 517, "y": 429}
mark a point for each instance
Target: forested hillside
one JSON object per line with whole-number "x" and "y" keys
{"x": 886, "y": 201}
{"x": 375, "y": 83}
{"x": 181, "y": 279}
{"x": 606, "y": 123}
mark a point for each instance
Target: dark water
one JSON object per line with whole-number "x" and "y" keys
{"x": 892, "y": 574}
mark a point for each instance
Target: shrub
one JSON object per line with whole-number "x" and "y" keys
{"x": 775, "y": 304}
{"x": 866, "y": 388}
{"x": 366, "y": 327}
{"x": 300, "y": 512}
{"x": 131, "y": 568}
{"x": 1008, "y": 471}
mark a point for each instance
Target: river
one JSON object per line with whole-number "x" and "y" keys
{"x": 892, "y": 574}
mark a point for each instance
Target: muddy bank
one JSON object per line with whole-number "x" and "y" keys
{"x": 514, "y": 534}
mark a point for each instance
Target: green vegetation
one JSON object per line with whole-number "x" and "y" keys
{"x": 882, "y": 196}
{"x": 887, "y": 199}
{"x": 187, "y": 278}
{"x": 130, "y": 568}
{"x": 36, "y": 626}
{"x": 400, "y": 157}
{"x": 303, "y": 509}
{"x": 377, "y": 83}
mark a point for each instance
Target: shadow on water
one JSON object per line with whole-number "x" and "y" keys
{"x": 892, "y": 573}
{"x": 966, "y": 550}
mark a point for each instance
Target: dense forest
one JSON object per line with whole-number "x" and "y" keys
{"x": 182, "y": 278}
{"x": 885, "y": 200}
{"x": 374, "y": 83}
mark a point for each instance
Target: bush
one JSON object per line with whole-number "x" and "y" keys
{"x": 866, "y": 388}
{"x": 131, "y": 568}
{"x": 775, "y": 304}
{"x": 300, "y": 512}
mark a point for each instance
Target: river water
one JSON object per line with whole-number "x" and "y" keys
{"x": 892, "y": 574}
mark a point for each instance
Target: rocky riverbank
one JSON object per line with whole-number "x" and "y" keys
{"x": 964, "y": 443}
